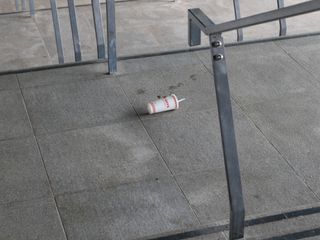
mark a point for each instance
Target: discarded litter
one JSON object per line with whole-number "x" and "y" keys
{"x": 163, "y": 104}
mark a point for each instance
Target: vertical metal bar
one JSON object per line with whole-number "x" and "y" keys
{"x": 56, "y": 26}
{"x": 111, "y": 33}
{"x": 32, "y": 7}
{"x": 236, "y": 6}
{"x": 98, "y": 27}
{"x": 194, "y": 33}
{"x": 74, "y": 30}
{"x": 23, "y": 5}
{"x": 282, "y": 21}
{"x": 228, "y": 137}
{"x": 17, "y": 5}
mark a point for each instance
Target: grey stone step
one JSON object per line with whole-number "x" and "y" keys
{"x": 142, "y": 27}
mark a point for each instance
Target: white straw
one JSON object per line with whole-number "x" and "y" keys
{"x": 182, "y": 99}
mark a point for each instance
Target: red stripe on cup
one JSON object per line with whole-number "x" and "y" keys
{"x": 175, "y": 101}
{"x": 165, "y": 102}
{"x": 153, "y": 107}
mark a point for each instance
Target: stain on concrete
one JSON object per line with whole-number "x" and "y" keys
{"x": 140, "y": 91}
{"x": 193, "y": 77}
{"x": 173, "y": 87}
{"x": 256, "y": 196}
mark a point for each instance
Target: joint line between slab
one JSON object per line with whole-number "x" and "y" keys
{"x": 165, "y": 163}
{"x": 301, "y": 178}
{"x": 43, "y": 163}
{"x": 296, "y": 61}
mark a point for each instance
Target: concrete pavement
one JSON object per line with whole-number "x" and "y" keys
{"x": 80, "y": 159}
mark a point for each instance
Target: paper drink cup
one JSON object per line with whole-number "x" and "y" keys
{"x": 163, "y": 104}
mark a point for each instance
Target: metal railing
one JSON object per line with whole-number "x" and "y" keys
{"x": 111, "y": 33}
{"x": 198, "y": 22}
{"x": 237, "y": 13}
{"x": 98, "y": 27}
{"x": 23, "y": 4}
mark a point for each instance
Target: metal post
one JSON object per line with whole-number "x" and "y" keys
{"x": 282, "y": 21}
{"x": 56, "y": 26}
{"x": 17, "y": 5}
{"x": 197, "y": 22}
{"x": 23, "y": 5}
{"x": 111, "y": 33}
{"x": 74, "y": 30}
{"x": 236, "y": 6}
{"x": 98, "y": 27}
{"x": 194, "y": 33}
{"x": 32, "y": 8}
{"x": 229, "y": 146}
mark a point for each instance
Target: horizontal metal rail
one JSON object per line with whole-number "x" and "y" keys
{"x": 286, "y": 12}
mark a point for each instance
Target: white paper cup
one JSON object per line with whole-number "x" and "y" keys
{"x": 164, "y": 104}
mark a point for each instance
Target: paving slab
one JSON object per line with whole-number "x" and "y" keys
{"x": 13, "y": 117}
{"x": 64, "y": 75}
{"x": 21, "y": 43}
{"x": 58, "y": 108}
{"x": 261, "y": 72}
{"x": 137, "y": 41}
{"x": 268, "y": 182}
{"x": 291, "y": 124}
{"x": 175, "y": 135}
{"x": 192, "y": 82}
{"x": 7, "y": 7}
{"x": 23, "y": 176}
{"x": 266, "y": 30}
{"x": 8, "y": 82}
{"x": 162, "y": 62}
{"x": 100, "y": 157}
{"x": 126, "y": 212}
{"x": 207, "y": 193}
{"x": 187, "y": 142}
{"x": 30, "y": 220}
{"x": 305, "y": 51}
{"x": 138, "y": 65}
{"x": 258, "y": 79}
{"x": 303, "y": 23}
